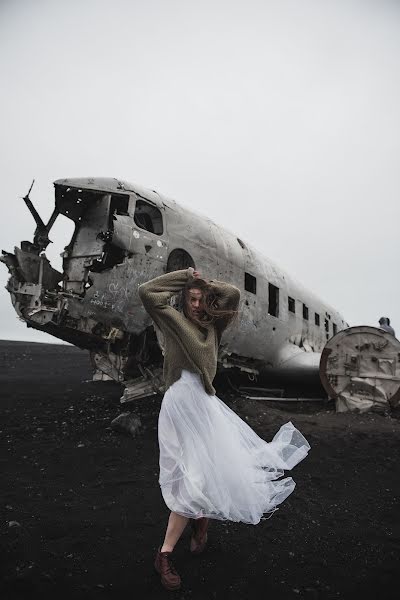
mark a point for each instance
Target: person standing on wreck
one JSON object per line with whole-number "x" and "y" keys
{"x": 212, "y": 464}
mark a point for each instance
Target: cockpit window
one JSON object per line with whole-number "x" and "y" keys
{"x": 148, "y": 217}
{"x": 119, "y": 204}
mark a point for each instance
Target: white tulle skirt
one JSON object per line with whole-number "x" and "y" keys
{"x": 212, "y": 464}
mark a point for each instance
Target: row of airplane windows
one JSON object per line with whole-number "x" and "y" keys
{"x": 250, "y": 285}
{"x": 148, "y": 217}
{"x": 317, "y": 318}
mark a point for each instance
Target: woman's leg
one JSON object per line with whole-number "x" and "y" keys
{"x": 176, "y": 525}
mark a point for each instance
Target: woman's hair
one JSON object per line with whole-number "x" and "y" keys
{"x": 211, "y": 311}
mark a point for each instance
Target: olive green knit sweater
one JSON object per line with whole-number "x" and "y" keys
{"x": 187, "y": 346}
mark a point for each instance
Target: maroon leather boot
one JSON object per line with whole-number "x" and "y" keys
{"x": 198, "y": 541}
{"x": 163, "y": 565}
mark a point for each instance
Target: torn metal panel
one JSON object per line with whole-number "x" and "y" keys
{"x": 37, "y": 269}
{"x": 360, "y": 368}
{"x": 149, "y": 384}
{"x": 363, "y": 395}
{"x": 245, "y": 366}
{"x": 113, "y": 298}
{"x": 131, "y": 238}
{"x": 107, "y": 184}
{"x": 123, "y": 234}
{"x": 42, "y": 316}
{"x": 100, "y": 376}
{"x": 111, "y": 364}
{"x": 87, "y": 243}
{"x": 12, "y": 265}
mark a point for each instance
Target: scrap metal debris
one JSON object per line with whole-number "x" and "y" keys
{"x": 360, "y": 369}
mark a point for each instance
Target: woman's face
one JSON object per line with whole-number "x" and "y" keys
{"x": 195, "y": 303}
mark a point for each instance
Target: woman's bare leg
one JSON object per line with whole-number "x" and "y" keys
{"x": 176, "y": 525}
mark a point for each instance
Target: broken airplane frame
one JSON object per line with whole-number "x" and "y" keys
{"x": 125, "y": 235}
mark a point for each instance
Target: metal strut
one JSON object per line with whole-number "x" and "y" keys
{"x": 41, "y": 236}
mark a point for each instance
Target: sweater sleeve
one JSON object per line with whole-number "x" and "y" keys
{"x": 227, "y": 297}
{"x": 156, "y": 293}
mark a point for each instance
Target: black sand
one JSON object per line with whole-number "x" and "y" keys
{"x": 90, "y": 515}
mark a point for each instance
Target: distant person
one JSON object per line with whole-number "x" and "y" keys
{"x": 212, "y": 464}
{"x": 384, "y": 323}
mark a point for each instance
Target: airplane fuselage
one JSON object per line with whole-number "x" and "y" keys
{"x": 125, "y": 235}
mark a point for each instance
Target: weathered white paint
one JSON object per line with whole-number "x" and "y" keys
{"x": 286, "y": 342}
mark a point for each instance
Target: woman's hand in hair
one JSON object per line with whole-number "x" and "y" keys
{"x": 196, "y": 275}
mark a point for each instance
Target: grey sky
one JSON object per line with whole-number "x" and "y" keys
{"x": 279, "y": 120}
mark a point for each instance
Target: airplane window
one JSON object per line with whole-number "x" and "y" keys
{"x": 250, "y": 283}
{"x": 291, "y": 304}
{"x": 334, "y": 328}
{"x": 317, "y": 319}
{"x": 179, "y": 259}
{"x": 148, "y": 217}
{"x": 273, "y": 300}
{"x": 326, "y": 325}
{"x": 119, "y": 204}
{"x": 305, "y": 312}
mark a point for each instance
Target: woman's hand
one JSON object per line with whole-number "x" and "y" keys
{"x": 196, "y": 274}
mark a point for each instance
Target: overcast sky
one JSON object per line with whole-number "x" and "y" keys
{"x": 277, "y": 119}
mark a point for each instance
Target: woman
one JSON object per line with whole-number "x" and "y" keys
{"x": 212, "y": 464}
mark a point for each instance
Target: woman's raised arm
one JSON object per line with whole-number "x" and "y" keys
{"x": 156, "y": 293}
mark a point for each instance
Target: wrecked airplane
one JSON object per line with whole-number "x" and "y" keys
{"x": 125, "y": 235}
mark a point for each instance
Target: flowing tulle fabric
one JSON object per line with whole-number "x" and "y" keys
{"x": 212, "y": 464}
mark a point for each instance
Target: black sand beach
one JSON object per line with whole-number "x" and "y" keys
{"x": 82, "y": 513}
